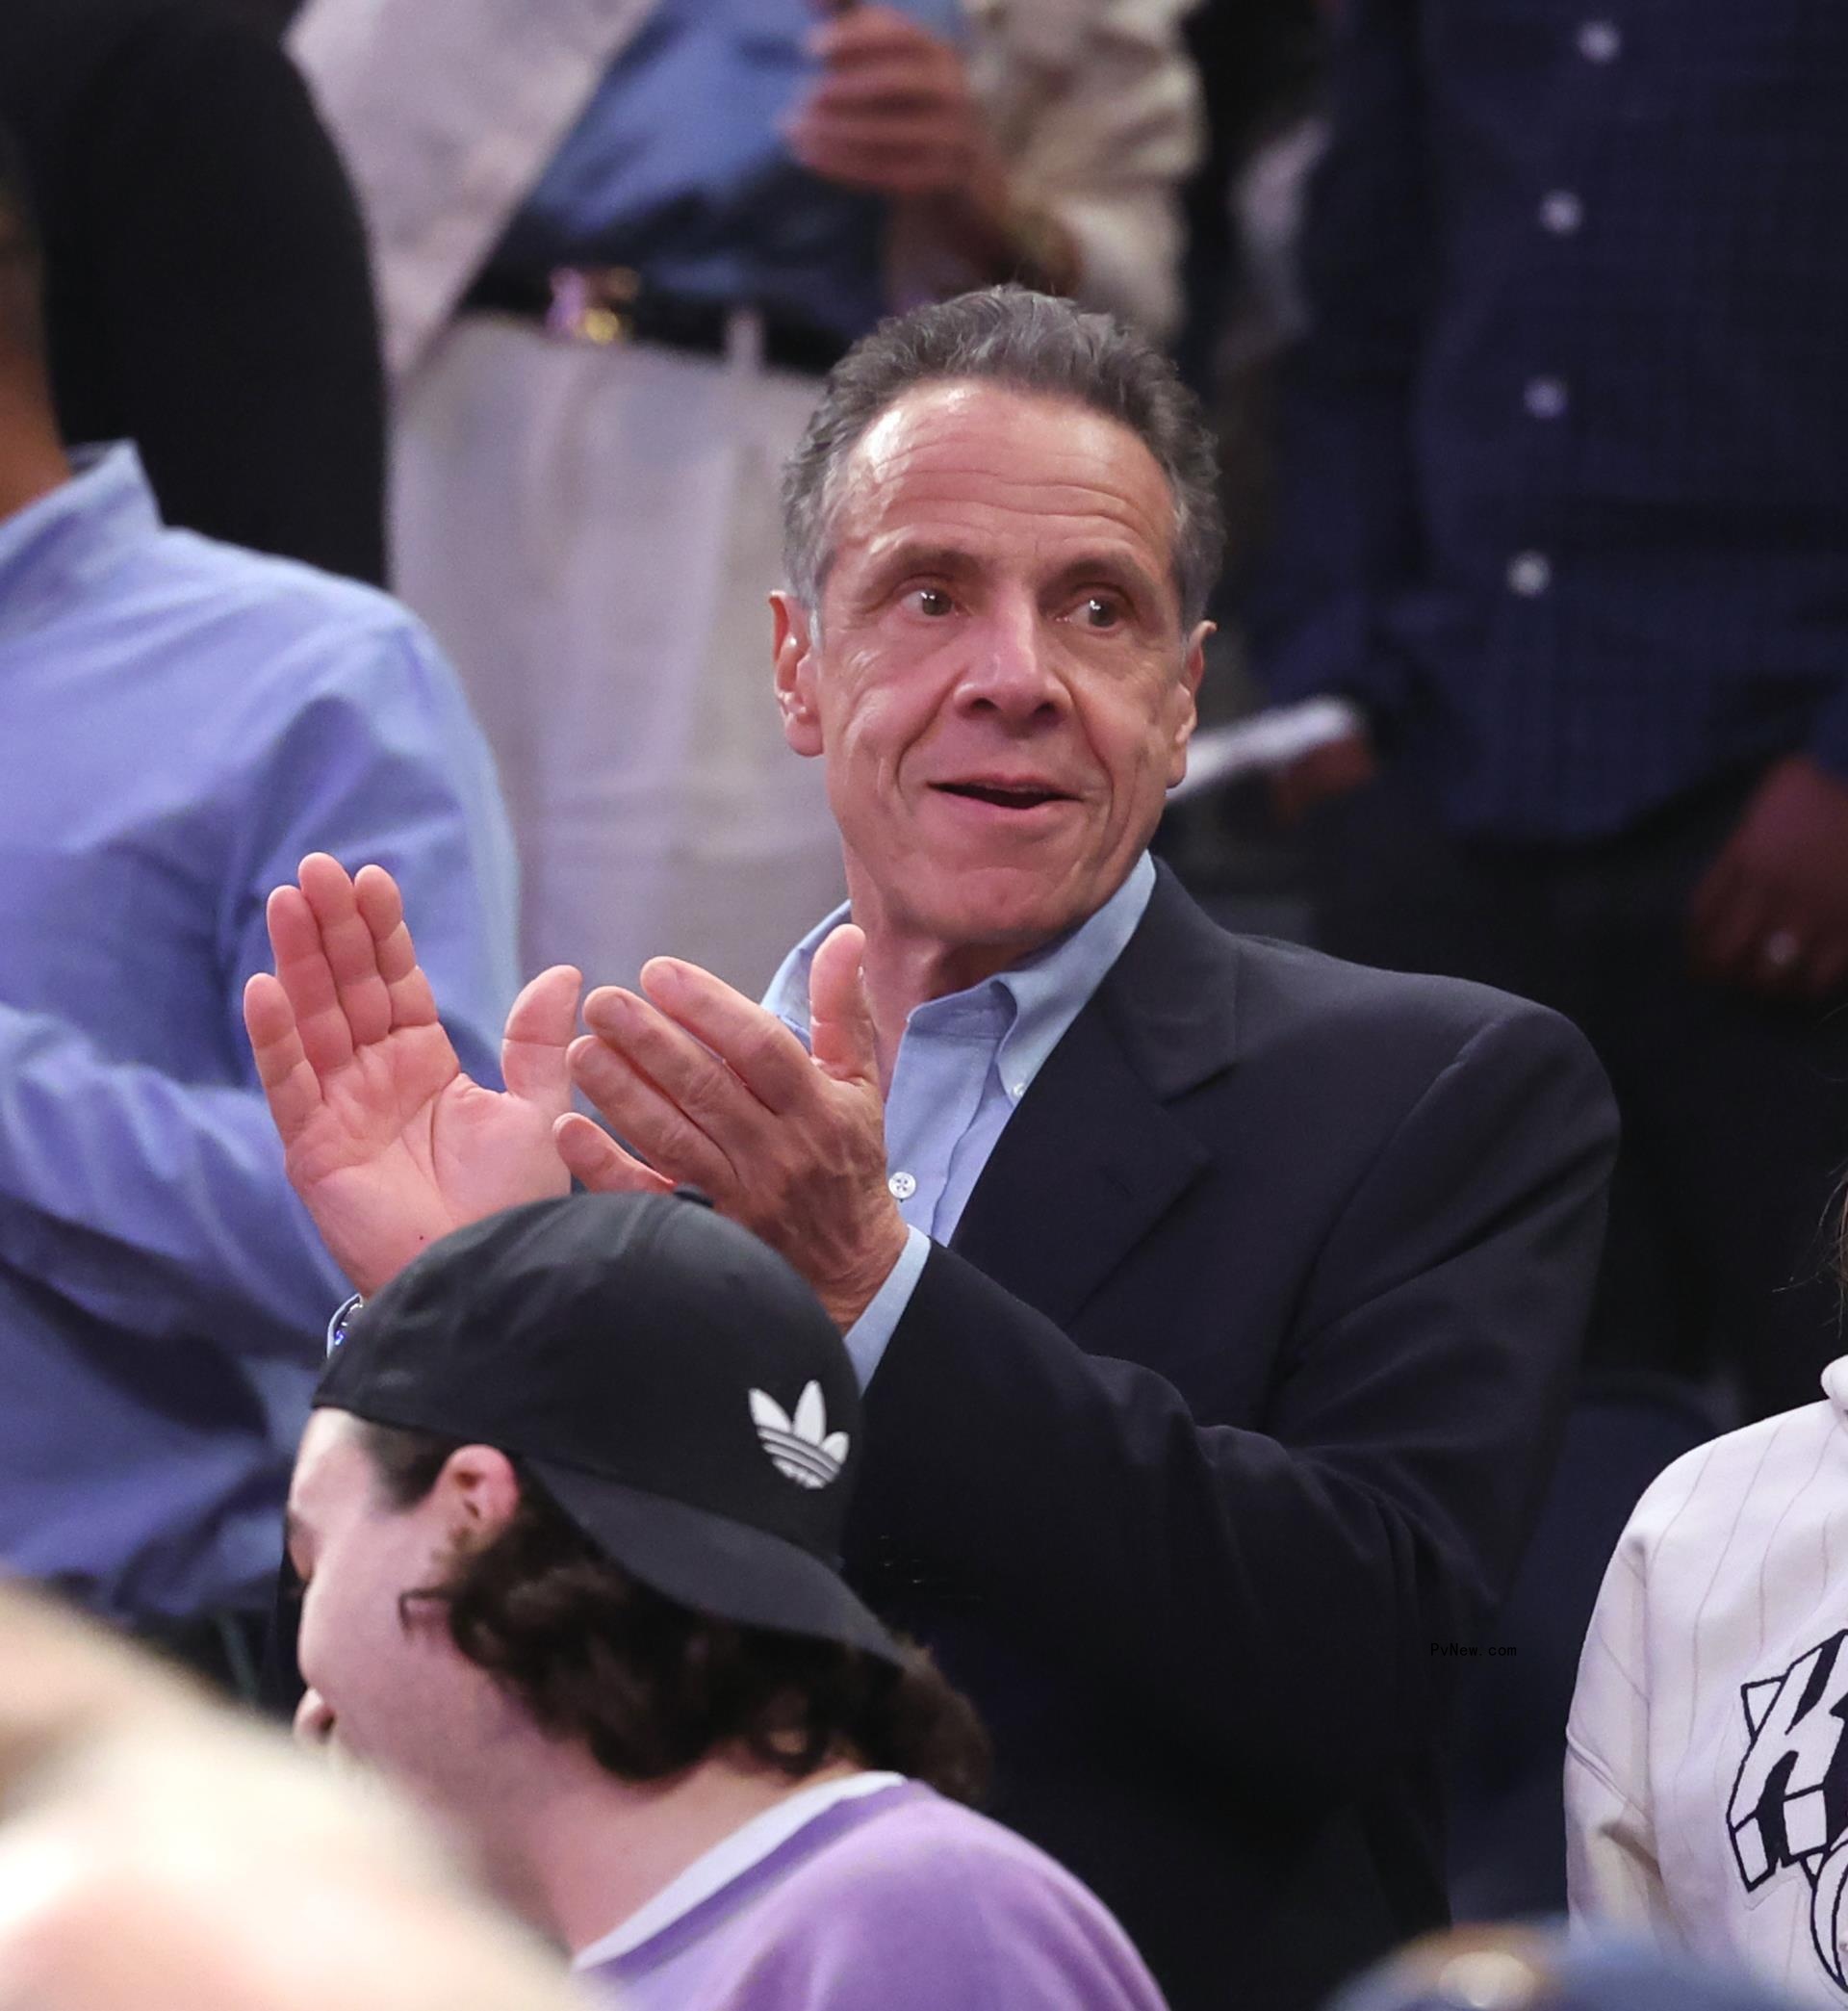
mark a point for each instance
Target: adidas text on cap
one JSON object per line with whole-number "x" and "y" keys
{"x": 675, "y": 1386}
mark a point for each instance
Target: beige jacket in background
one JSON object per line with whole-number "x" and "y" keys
{"x": 449, "y": 110}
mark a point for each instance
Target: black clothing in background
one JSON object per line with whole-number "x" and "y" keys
{"x": 207, "y": 285}
{"x": 1734, "y": 1110}
{"x": 1260, "y": 66}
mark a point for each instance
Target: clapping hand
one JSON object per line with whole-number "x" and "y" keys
{"x": 712, "y": 1089}
{"x": 388, "y": 1142}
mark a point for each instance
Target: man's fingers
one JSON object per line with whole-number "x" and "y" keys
{"x": 899, "y": 136}
{"x": 709, "y": 1018}
{"x": 652, "y": 1121}
{"x": 346, "y": 942}
{"x": 304, "y": 974}
{"x": 1718, "y": 915}
{"x": 877, "y": 168}
{"x": 891, "y": 84}
{"x": 288, "y": 1081}
{"x": 382, "y": 909}
{"x": 535, "y": 1059}
{"x": 591, "y": 1155}
{"x": 840, "y": 1016}
{"x": 869, "y": 34}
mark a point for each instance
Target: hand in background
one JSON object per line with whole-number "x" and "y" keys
{"x": 892, "y": 112}
{"x": 1324, "y": 773}
{"x": 714, "y": 1091}
{"x": 1771, "y": 915}
{"x": 387, "y": 1141}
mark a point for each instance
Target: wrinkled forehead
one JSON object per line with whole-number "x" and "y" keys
{"x": 1016, "y": 474}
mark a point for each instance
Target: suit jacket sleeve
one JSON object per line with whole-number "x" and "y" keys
{"x": 1275, "y": 1594}
{"x": 229, "y": 267}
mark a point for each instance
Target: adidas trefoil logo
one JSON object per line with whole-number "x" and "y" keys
{"x": 802, "y": 1449}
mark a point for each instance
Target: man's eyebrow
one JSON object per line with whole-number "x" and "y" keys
{"x": 913, "y": 555}
{"x": 1117, "y": 567}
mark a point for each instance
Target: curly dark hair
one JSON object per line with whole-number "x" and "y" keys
{"x": 650, "y": 1686}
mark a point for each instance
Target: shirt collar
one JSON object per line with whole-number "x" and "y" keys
{"x": 1046, "y": 990}
{"x": 729, "y": 1859}
{"x": 54, "y": 549}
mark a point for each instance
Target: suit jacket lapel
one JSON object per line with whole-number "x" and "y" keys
{"x": 1094, "y": 1157}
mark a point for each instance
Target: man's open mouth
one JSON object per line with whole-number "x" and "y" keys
{"x": 1005, "y": 795}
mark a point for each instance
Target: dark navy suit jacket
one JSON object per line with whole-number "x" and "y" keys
{"x": 1224, "y": 1414}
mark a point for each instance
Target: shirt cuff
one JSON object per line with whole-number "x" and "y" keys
{"x": 869, "y": 1336}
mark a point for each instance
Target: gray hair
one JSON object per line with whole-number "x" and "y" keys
{"x": 1028, "y": 342}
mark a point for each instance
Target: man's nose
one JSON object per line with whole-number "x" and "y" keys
{"x": 1011, "y": 670}
{"x": 314, "y": 1720}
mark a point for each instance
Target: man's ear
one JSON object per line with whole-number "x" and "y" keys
{"x": 477, "y": 1493}
{"x": 1186, "y": 708}
{"x": 795, "y": 651}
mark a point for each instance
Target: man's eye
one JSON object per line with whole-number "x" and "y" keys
{"x": 1100, "y": 612}
{"x": 931, "y": 600}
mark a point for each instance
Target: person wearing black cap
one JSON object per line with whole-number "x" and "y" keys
{"x": 569, "y": 1515}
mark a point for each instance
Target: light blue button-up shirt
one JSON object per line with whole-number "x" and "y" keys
{"x": 677, "y": 168}
{"x": 964, "y": 1064}
{"x": 179, "y": 722}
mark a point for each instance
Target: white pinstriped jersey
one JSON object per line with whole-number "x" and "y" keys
{"x": 1706, "y": 1762}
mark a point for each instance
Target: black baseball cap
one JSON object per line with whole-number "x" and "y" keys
{"x": 674, "y": 1385}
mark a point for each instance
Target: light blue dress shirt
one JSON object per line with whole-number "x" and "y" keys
{"x": 677, "y": 168}
{"x": 179, "y": 722}
{"x": 964, "y": 1064}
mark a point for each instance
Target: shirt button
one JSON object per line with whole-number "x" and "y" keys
{"x": 902, "y": 1186}
{"x": 1529, "y": 573}
{"x": 1546, "y": 397}
{"x": 1599, "y": 41}
{"x": 1016, "y": 1091}
{"x": 1562, "y": 213}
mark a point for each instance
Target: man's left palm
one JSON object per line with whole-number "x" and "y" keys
{"x": 1771, "y": 915}
{"x": 713, "y": 1091}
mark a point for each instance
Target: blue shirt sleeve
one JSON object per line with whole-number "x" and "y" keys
{"x": 160, "y": 1204}
{"x": 871, "y": 1334}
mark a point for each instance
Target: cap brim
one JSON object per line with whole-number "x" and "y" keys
{"x": 713, "y": 1564}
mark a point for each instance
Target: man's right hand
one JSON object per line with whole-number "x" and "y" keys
{"x": 388, "y": 1142}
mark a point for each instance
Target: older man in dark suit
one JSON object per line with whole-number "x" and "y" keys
{"x": 1215, "y": 1301}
